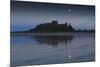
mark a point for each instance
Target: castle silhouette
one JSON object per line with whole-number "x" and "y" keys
{"x": 53, "y": 27}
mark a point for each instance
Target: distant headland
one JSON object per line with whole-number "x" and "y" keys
{"x": 54, "y": 27}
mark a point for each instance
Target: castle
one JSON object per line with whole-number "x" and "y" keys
{"x": 53, "y": 27}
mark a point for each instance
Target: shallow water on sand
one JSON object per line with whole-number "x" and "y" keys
{"x": 35, "y": 50}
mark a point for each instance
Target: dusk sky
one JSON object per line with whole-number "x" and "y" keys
{"x": 26, "y": 15}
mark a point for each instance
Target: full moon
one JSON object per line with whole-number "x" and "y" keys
{"x": 69, "y": 10}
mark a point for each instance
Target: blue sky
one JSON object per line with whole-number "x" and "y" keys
{"x": 26, "y": 15}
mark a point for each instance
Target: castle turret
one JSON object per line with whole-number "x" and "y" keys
{"x": 66, "y": 23}
{"x": 54, "y": 22}
{"x": 69, "y": 24}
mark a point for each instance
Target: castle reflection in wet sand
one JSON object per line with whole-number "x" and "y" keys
{"x": 33, "y": 50}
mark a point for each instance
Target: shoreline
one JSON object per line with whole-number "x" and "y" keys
{"x": 52, "y": 34}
